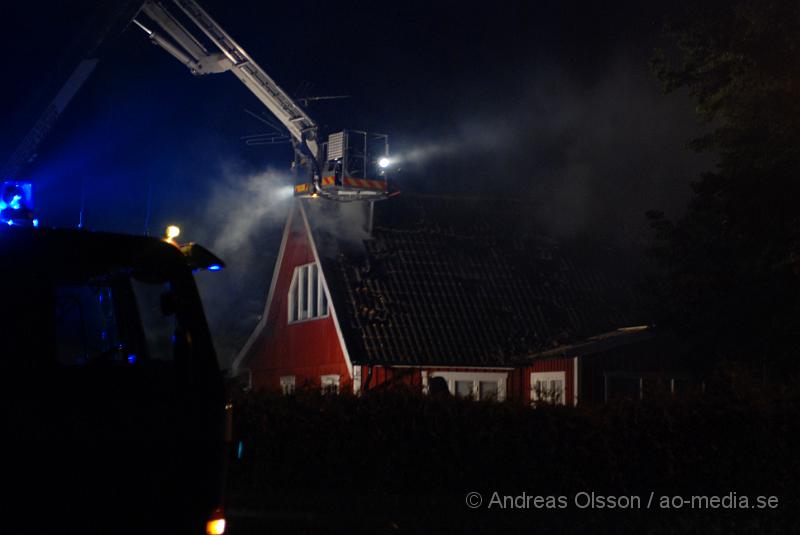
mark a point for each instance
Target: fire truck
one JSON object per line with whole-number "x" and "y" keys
{"x": 115, "y": 407}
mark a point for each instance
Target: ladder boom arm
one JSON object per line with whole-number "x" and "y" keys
{"x": 232, "y": 57}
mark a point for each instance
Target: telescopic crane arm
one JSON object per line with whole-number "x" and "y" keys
{"x": 178, "y": 41}
{"x": 349, "y": 166}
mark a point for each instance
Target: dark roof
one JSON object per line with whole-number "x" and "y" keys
{"x": 599, "y": 343}
{"x": 465, "y": 282}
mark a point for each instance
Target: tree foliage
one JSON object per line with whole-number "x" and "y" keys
{"x": 731, "y": 264}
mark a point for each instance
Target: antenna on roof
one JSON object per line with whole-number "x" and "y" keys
{"x": 276, "y": 136}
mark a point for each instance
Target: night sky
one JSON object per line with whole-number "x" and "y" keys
{"x": 553, "y": 102}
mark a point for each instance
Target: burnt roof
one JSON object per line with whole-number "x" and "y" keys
{"x": 465, "y": 282}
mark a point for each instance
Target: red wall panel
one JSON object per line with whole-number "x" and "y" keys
{"x": 565, "y": 365}
{"x": 305, "y": 349}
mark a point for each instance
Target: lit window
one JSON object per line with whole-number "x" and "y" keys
{"x": 548, "y": 388}
{"x": 307, "y": 298}
{"x": 330, "y": 384}
{"x": 287, "y": 384}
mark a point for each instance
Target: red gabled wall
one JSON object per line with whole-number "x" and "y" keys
{"x": 306, "y": 349}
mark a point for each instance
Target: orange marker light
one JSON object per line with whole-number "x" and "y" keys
{"x": 173, "y": 232}
{"x": 215, "y": 526}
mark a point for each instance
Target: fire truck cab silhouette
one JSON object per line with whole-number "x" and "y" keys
{"x": 114, "y": 398}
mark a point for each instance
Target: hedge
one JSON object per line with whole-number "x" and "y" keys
{"x": 397, "y": 461}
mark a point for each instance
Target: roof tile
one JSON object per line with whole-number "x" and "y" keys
{"x": 446, "y": 281}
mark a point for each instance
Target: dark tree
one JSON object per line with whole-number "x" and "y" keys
{"x": 731, "y": 265}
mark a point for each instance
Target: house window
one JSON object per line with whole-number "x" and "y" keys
{"x": 330, "y": 384}
{"x": 287, "y": 384}
{"x": 464, "y": 389}
{"x": 307, "y": 298}
{"x": 476, "y": 385}
{"x": 547, "y": 387}
{"x": 487, "y": 390}
{"x": 643, "y": 385}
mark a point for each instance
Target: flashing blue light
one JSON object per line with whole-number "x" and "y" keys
{"x": 240, "y": 450}
{"x": 16, "y": 203}
{"x": 35, "y": 222}
{"x": 214, "y": 267}
{"x": 131, "y": 359}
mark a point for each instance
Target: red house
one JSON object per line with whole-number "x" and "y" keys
{"x": 462, "y": 289}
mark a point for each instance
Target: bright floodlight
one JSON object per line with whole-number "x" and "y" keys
{"x": 215, "y": 526}
{"x": 173, "y": 232}
{"x": 384, "y": 162}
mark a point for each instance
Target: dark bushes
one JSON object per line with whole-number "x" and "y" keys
{"x": 403, "y": 462}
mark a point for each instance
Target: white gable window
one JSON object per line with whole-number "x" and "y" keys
{"x": 307, "y": 299}
{"x": 330, "y": 384}
{"x": 287, "y": 384}
{"x": 482, "y": 386}
{"x": 548, "y": 387}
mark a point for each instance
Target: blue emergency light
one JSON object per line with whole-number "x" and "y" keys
{"x": 16, "y": 203}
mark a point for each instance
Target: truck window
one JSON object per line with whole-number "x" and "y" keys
{"x": 86, "y": 324}
{"x": 158, "y": 326}
{"x": 119, "y": 320}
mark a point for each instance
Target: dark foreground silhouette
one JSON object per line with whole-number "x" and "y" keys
{"x": 399, "y": 462}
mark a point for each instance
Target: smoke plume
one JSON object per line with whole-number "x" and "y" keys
{"x": 242, "y": 224}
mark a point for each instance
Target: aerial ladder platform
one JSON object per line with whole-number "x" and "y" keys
{"x": 351, "y": 165}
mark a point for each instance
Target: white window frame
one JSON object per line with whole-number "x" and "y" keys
{"x": 288, "y": 383}
{"x": 547, "y": 378}
{"x": 301, "y": 291}
{"x": 476, "y": 378}
{"x": 330, "y": 380}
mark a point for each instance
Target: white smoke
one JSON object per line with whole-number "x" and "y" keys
{"x": 473, "y": 136}
{"x": 243, "y": 221}
{"x": 241, "y": 205}
{"x": 338, "y": 225}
